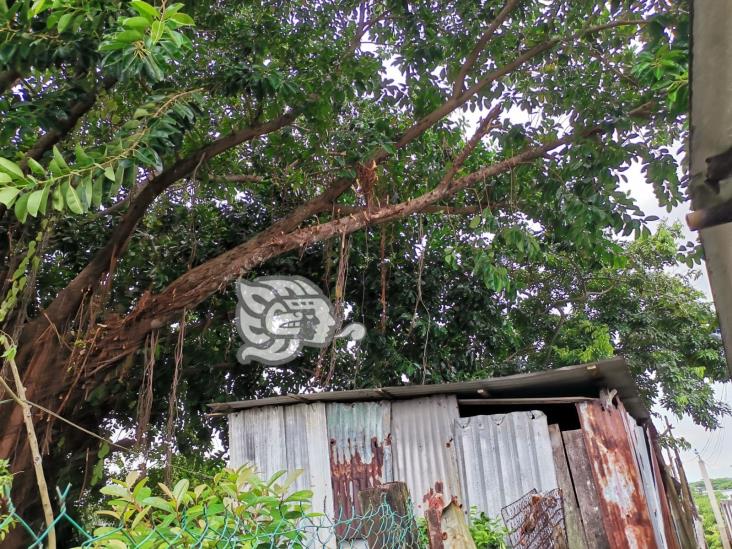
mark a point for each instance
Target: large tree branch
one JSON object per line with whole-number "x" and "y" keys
{"x": 70, "y": 297}
{"x": 7, "y": 79}
{"x": 196, "y": 285}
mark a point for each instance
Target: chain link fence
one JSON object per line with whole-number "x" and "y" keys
{"x": 379, "y": 527}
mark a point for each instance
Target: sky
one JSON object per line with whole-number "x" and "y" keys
{"x": 714, "y": 447}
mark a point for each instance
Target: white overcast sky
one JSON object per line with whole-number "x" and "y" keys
{"x": 715, "y": 447}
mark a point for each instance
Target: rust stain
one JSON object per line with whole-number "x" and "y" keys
{"x": 349, "y": 478}
{"x": 624, "y": 508}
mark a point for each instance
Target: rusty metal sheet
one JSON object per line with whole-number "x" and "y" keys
{"x": 359, "y": 441}
{"x": 258, "y": 436}
{"x": 502, "y": 457}
{"x": 424, "y": 452}
{"x": 639, "y": 445}
{"x": 622, "y": 498}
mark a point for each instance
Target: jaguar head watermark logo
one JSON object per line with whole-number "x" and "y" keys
{"x": 278, "y": 315}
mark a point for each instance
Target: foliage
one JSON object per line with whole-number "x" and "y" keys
{"x": 487, "y": 533}
{"x": 711, "y": 531}
{"x": 717, "y": 484}
{"x": 167, "y": 158}
{"x": 233, "y": 507}
{"x": 6, "y": 481}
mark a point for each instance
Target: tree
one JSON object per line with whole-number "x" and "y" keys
{"x": 284, "y": 127}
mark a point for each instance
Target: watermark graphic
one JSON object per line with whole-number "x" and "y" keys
{"x": 278, "y": 315}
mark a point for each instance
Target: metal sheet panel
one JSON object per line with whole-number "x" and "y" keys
{"x": 258, "y": 436}
{"x": 726, "y": 507}
{"x": 580, "y": 380}
{"x": 424, "y": 453}
{"x": 622, "y": 499}
{"x": 360, "y": 451}
{"x": 306, "y": 433}
{"x": 502, "y": 457}
{"x": 637, "y": 437}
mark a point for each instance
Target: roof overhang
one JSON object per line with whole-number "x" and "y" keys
{"x": 583, "y": 380}
{"x": 711, "y": 135}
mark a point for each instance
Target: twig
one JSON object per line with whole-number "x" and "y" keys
{"x": 32, "y": 440}
{"x": 482, "y": 41}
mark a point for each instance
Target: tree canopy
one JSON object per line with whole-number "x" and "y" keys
{"x": 452, "y": 173}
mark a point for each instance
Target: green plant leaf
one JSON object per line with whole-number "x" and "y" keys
{"x": 8, "y": 194}
{"x": 136, "y": 23}
{"x": 64, "y": 22}
{"x": 73, "y": 201}
{"x": 145, "y": 9}
{"x": 21, "y": 207}
{"x": 182, "y": 19}
{"x": 10, "y": 167}
{"x": 34, "y": 201}
{"x": 156, "y": 32}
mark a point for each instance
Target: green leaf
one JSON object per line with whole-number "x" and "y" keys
{"x": 158, "y": 503}
{"x": 34, "y": 201}
{"x": 8, "y": 194}
{"x": 21, "y": 208}
{"x": 115, "y": 490}
{"x": 60, "y": 160}
{"x": 65, "y": 21}
{"x": 145, "y": 9}
{"x": 156, "y": 32}
{"x": 10, "y": 167}
{"x": 183, "y": 19}
{"x": 97, "y": 193}
{"x": 180, "y": 489}
{"x": 137, "y": 23}
{"x": 5, "y": 178}
{"x": 109, "y": 173}
{"x": 37, "y": 7}
{"x": 57, "y": 200}
{"x": 129, "y": 36}
{"x": 72, "y": 200}
{"x": 35, "y": 167}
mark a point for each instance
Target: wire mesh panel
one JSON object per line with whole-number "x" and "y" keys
{"x": 229, "y": 530}
{"x": 536, "y": 521}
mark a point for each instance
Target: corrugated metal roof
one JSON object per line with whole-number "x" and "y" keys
{"x": 424, "y": 453}
{"x": 502, "y": 457}
{"x": 575, "y": 381}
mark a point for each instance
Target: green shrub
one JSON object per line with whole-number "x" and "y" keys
{"x": 235, "y": 509}
{"x": 487, "y": 533}
{"x": 6, "y": 481}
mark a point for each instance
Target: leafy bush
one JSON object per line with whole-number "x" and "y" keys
{"x": 6, "y": 480}
{"x": 487, "y": 533}
{"x": 236, "y": 508}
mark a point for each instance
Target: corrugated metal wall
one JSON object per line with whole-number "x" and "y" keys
{"x": 307, "y": 449}
{"x": 637, "y": 437}
{"x": 424, "y": 452}
{"x": 622, "y": 499}
{"x": 359, "y": 438}
{"x": 258, "y": 436}
{"x": 502, "y": 457}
